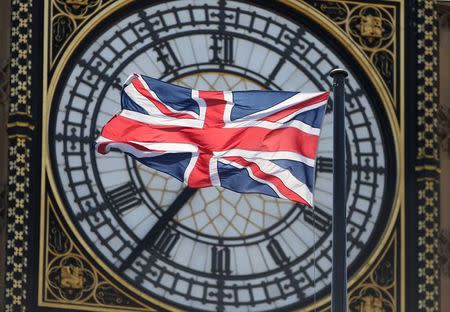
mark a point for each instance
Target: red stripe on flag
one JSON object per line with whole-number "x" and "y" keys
{"x": 211, "y": 140}
{"x": 162, "y": 108}
{"x": 215, "y": 104}
{"x": 277, "y": 182}
{"x": 101, "y": 148}
{"x": 199, "y": 176}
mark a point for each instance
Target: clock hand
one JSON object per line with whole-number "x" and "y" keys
{"x": 156, "y": 230}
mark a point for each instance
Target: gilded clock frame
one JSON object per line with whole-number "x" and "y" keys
{"x": 57, "y": 63}
{"x": 393, "y": 237}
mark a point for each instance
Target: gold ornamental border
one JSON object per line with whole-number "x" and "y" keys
{"x": 302, "y": 8}
{"x": 72, "y": 251}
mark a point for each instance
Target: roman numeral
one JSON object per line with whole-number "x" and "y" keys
{"x": 123, "y": 198}
{"x": 294, "y": 41}
{"x": 167, "y": 57}
{"x": 167, "y": 241}
{"x": 277, "y": 253}
{"x": 222, "y": 49}
{"x": 154, "y": 233}
{"x": 324, "y": 164}
{"x": 317, "y": 218}
{"x": 220, "y": 262}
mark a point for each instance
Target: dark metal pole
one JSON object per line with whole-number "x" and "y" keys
{"x": 339, "y": 275}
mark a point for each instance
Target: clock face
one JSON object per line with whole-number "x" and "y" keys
{"x": 222, "y": 250}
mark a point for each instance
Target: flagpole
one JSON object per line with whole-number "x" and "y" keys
{"x": 339, "y": 274}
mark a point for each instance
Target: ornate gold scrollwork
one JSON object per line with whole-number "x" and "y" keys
{"x": 444, "y": 252}
{"x": 337, "y": 11}
{"x": 4, "y": 100}
{"x": 67, "y": 17}
{"x": 377, "y": 292}
{"x": 71, "y": 279}
{"x": 372, "y": 28}
{"x": 427, "y": 157}
{"x": 77, "y": 9}
{"x": 77, "y": 3}
{"x": 372, "y": 298}
{"x": 443, "y": 115}
{"x": 371, "y": 303}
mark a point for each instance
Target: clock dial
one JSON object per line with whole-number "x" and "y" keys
{"x": 213, "y": 249}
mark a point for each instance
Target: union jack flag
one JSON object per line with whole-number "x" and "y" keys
{"x": 246, "y": 141}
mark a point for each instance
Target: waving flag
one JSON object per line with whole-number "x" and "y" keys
{"x": 246, "y": 141}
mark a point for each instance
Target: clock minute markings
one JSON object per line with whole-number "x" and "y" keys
{"x": 163, "y": 49}
{"x": 73, "y": 138}
{"x": 155, "y": 232}
{"x": 294, "y": 41}
{"x": 93, "y": 214}
{"x": 95, "y": 71}
{"x": 367, "y": 168}
{"x": 90, "y": 210}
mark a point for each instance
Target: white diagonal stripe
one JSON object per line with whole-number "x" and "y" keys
{"x": 297, "y": 124}
{"x": 201, "y": 104}
{"x": 214, "y": 172}
{"x": 251, "y": 155}
{"x": 161, "y": 120}
{"x": 156, "y": 148}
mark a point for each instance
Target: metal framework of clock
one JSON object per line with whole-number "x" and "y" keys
{"x": 222, "y": 250}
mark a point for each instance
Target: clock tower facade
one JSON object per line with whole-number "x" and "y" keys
{"x": 88, "y": 232}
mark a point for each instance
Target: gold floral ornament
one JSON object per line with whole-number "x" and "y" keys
{"x": 371, "y": 298}
{"x": 68, "y": 16}
{"x": 77, "y": 8}
{"x": 70, "y": 278}
{"x": 77, "y": 3}
{"x": 371, "y": 304}
{"x": 371, "y": 27}
{"x": 337, "y": 11}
